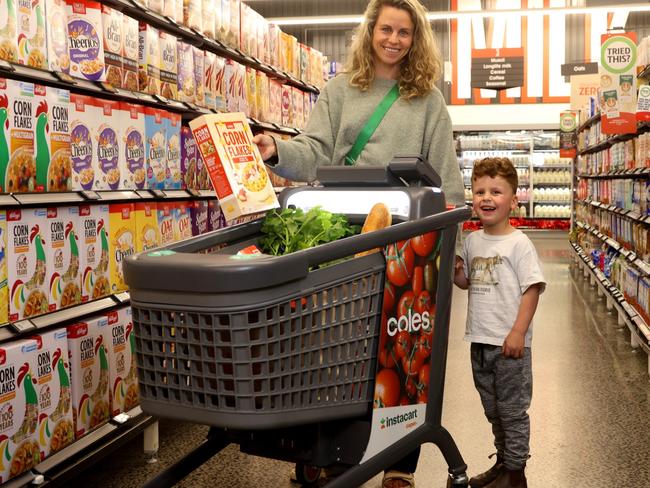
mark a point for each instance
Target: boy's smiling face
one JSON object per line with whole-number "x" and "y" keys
{"x": 493, "y": 200}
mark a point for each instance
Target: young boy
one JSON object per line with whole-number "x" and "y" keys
{"x": 500, "y": 267}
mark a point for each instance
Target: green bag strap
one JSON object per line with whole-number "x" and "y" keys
{"x": 372, "y": 124}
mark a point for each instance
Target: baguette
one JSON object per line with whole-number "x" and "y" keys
{"x": 379, "y": 217}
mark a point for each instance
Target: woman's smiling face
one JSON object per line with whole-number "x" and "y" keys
{"x": 392, "y": 37}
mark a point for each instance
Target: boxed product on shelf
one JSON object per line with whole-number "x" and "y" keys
{"x": 156, "y": 6}
{"x": 298, "y": 108}
{"x": 215, "y": 217}
{"x": 52, "y": 375}
{"x": 220, "y": 91}
{"x": 186, "y": 79}
{"x": 188, "y": 158}
{"x": 107, "y": 137}
{"x": 32, "y": 49}
{"x": 58, "y": 56}
{"x": 202, "y": 176}
{"x": 85, "y": 40}
{"x": 173, "y": 178}
{"x": 251, "y": 92}
{"x": 306, "y": 107}
{"x": 246, "y": 35}
{"x": 123, "y": 378}
{"x": 199, "y": 214}
{"x": 148, "y": 59}
{"x": 233, "y": 37}
{"x": 275, "y": 101}
{"x": 112, "y": 22}
{"x": 174, "y": 10}
{"x": 262, "y": 93}
{"x": 168, "y": 65}
{"x": 133, "y": 144}
{"x": 165, "y": 215}
{"x": 231, "y": 77}
{"x": 207, "y": 18}
{"x": 192, "y": 11}
{"x": 8, "y": 45}
{"x": 182, "y": 220}
{"x": 288, "y": 115}
{"x": 274, "y": 44}
{"x": 19, "y": 407}
{"x": 209, "y": 78}
{"x": 643, "y": 298}
{"x": 27, "y": 262}
{"x": 199, "y": 76}
{"x": 304, "y": 62}
{"x": 147, "y": 235}
{"x": 130, "y": 56}
{"x": 62, "y": 255}
{"x": 89, "y": 374}
{"x": 155, "y": 147}
{"x": 83, "y": 118}
{"x": 286, "y": 52}
{"x": 224, "y": 28}
{"x": 94, "y": 221}
{"x": 4, "y": 291}
{"x": 240, "y": 89}
{"x": 121, "y": 241}
{"x": 52, "y": 145}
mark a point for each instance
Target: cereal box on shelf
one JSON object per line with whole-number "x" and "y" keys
{"x": 235, "y": 23}
{"x": 132, "y": 145}
{"x": 147, "y": 235}
{"x": 156, "y": 5}
{"x": 173, "y": 169}
{"x": 107, "y": 171}
{"x": 251, "y": 92}
{"x": 286, "y": 52}
{"x": 224, "y": 31}
{"x": 298, "y": 109}
{"x": 245, "y": 19}
{"x": 209, "y": 78}
{"x": 130, "y": 56}
{"x": 94, "y": 251}
{"x": 123, "y": 378}
{"x": 287, "y": 106}
{"x": 234, "y": 163}
{"x": 121, "y": 241}
{"x": 83, "y": 119}
{"x": 215, "y": 217}
{"x": 165, "y": 213}
{"x": 8, "y": 36}
{"x": 306, "y": 106}
{"x": 182, "y": 218}
{"x": 89, "y": 373}
{"x": 220, "y": 90}
{"x": 155, "y": 147}
{"x": 231, "y": 81}
{"x": 199, "y": 213}
{"x": 188, "y": 158}
{"x": 32, "y": 49}
{"x": 275, "y": 101}
{"x": 4, "y": 292}
{"x": 149, "y": 60}
{"x": 199, "y": 76}
{"x": 207, "y": 20}
{"x": 174, "y": 10}
{"x": 63, "y": 273}
{"x": 262, "y": 94}
{"x": 192, "y": 10}
{"x": 112, "y": 22}
{"x": 52, "y": 374}
{"x": 274, "y": 44}
{"x": 262, "y": 37}
{"x": 52, "y": 144}
{"x": 85, "y": 40}
{"x": 186, "y": 79}
{"x": 18, "y": 409}
{"x": 202, "y": 177}
{"x": 241, "y": 87}
{"x": 58, "y": 57}
{"x": 304, "y": 62}
{"x": 27, "y": 262}
{"x": 168, "y": 66}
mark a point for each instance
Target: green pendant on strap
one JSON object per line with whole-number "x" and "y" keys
{"x": 372, "y": 124}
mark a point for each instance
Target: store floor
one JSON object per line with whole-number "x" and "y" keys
{"x": 590, "y": 414}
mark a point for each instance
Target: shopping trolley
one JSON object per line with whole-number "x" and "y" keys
{"x": 300, "y": 357}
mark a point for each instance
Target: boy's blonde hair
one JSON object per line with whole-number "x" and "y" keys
{"x": 494, "y": 167}
{"x": 421, "y": 66}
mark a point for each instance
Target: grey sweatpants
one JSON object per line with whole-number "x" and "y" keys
{"x": 506, "y": 387}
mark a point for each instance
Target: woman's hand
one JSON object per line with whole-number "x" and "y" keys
{"x": 266, "y": 145}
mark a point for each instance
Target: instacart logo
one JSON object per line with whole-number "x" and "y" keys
{"x": 398, "y": 419}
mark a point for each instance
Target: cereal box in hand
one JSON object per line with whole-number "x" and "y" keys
{"x": 86, "y": 40}
{"x": 63, "y": 273}
{"x": 168, "y": 66}
{"x": 132, "y": 146}
{"x": 186, "y": 78}
{"x": 173, "y": 170}
{"x": 199, "y": 213}
{"x": 123, "y": 377}
{"x": 199, "y": 76}
{"x": 155, "y": 147}
{"x": 8, "y": 45}
{"x": 165, "y": 213}
{"x": 112, "y": 22}
{"x": 149, "y": 60}
{"x": 182, "y": 220}
{"x": 130, "y": 56}
{"x": 89, "y": 374}
{"x": 121, "y": 241}
{"x": 107, "y": 139}
{"x": 82, "y": 143}
{"x": 147, "y": 234}
{"x": 188, "y": 158}
{"x": 32, "y": 48}
{"x": 58, "y": 56}
{"x": 27, "y": 262}
{"x": 4, "y": 292}
{"x": 94, "y": 251}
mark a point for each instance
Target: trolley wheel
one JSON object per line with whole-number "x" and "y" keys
{"x": 306, "y": 474}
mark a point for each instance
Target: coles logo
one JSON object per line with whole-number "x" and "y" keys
{"x": 3, "y": 356}
{"x": 411, "y": 322}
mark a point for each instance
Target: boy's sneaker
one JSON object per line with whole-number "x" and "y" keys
{"x": 490, "y": 475}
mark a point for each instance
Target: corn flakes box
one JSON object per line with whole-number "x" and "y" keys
{"x": 149, "y": 60}
{"x": 188, "y": 158}
{"x": 53, "y": 159}
{"x": 165, "y": 214}
{"x": 86, "y": 40}
{"x": 83, "y": 120}
{"x": 63, "y": 273}
{"x": 155, "y": 147}
{"x": 130, "y": 55}
{"x": 27, "y": 262}
{"x": 94, "y": 251}
{"x": 173, "y": 178}
{"x": 199, "y": 216}
{"x": 4, "y": 292}
{"x": 58, "y": 56}
{"x": 234, "y": 163}
{"x": 113, "y": 23}
{"x": 215, "y": 217}
{"x": 199, "y": 76}
{"x": 89, "y": 374}
{"x": 168, "y": 65}
{"x": 275, "y": 101}
{"x": 287, "y": 106}
{"x": 107, "y": 140}
{"x": 121, "y": 241}
{"x": 220, "y": 90}
{"x": 123, "y": 377}
{"x": 182, "y": 219}
{"x": 32, "y": 50}
{"x": 51, "y": 367}
{"x": 8, "y": 45}
{"x": 132, "y": 142}
{"x": 251, "y": 92}
{"x": 147, "y": 234}
{"x": 186, "y": 78}
{"x": 18, "y": 409}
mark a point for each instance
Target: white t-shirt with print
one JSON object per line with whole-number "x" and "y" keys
{"x": 500, "y": 269}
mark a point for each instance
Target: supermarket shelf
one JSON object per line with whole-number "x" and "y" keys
{"x": 552, "y": 202}
{"x": 630, "y": 214}
{"x": 610, "y": 141}
{"x": 619, "y": 174}
{"x": 589, "y": 122}
{"x": 551, "y": 185}
{"x": 562, "y": 166}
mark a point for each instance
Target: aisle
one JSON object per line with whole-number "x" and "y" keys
{"x": 590, "y": 413}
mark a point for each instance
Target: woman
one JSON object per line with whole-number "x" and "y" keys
{"x": 394, "y": 45}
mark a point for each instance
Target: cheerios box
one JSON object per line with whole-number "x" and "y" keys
{"x": 234, "y": 164}
{"x": 19, "y": 409}
{"x": 4, "y": 292}
{"x": 89, "y": 374}
{"x": 86, "y": 40}
{"x": 52, "y": 374}
{"x": 123, "y": 377}
{"x": 84, "y": 118}
{"x": 53, "y": 159}
{"x": 32, "y": 49}
{"x": 147, "y": 234}
{"x": 155, "y": 147}
{"x": 8, "y": 46}
{"x": 121, "y": 242}
{"x": 94, "y": 251}
{"x": 107, "y": 139}
{"x": 58, "y": 56}
{"x": 27, "y": 262}
{"x": 63, "y": 276}
{"x": 173, "y": 180}
{"x": 132, "y": 151}
{"x": 165, "y": 216}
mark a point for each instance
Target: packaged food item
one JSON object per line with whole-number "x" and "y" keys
{"x": 304, "y": 62}
{"x": 186, "y": 77}
{"x": 215, "y": 218}
{"x": 8, "y": 36}
{"x": 182, "y": 218}
{"x": 274, "y": 44}
{"x": 174, "y": 10}
{"x": 62, "y": 246}
{"x": 133, "y": 143}
{"x": 121, "y": 241}
{"x": 107, "y": 171}
{"x": 94, "y": 251}
{"x": 168, "y": 66}
{"x": 245, "y": 20}
{"x": 155, "y": 147}
{"x": 32, "y": 50}
{"x": 188, "y": 158}
{"x": 232, "y": 83}
{"x": 306, "y": 106}
{"x": 173, "y": 171}
{"x": 251, "y": 92}
{"x": 83, "y": 118}
{"x": 220, "y": 90}
{"x": 275, "y": 101}
{"x": 202, "y": 177}
{"x": 199, "y": 213}
{"x": 209, "y": 78}
{"x": 286, "y": 52}
{"x": 224, "y": 31}
{"x": 262, "y": 94}
{"x": 149, "y": 60}
{"x": 85, "y": 40}
{"x": 52, "y": 374}
{"x": 165, "y": 213}
{"x": 207, "y": 18}
{"x": 263, "y": 39}
{"x": 192, "y": 10}
{"x": 218, "y": 20}
{"x": 146, "y": 223}
{"x": 199, "y": 76}
{"x": 57, "y": 36}
{"x": 52, "y": 144}
{"x": 287, "y": 106}
{"x": 4, "y": 292}
{"x": 123, "y": 377}
{"x": 112, "y": 22}
{"x": 130, "y": 56}
{"x": 235, "y": 166}
{"x": 297, "y": 104}
{"x": 156, "y": 6}
{"x": 27, "y": 262}
{"x": 89, "y": 374}
{"x": 235, "y": 8}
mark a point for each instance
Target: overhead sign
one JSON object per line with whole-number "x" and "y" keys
{"x": 497, "y": 69}
{"x": 571, "y": 69}
{"x": 618, "y": 59}
{"x": 643, "y": 104}
{"x": 568, "y": 133}
{"x": 583, "y": 88}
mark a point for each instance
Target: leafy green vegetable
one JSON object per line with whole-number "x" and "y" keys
{"x": 292, "y": 229}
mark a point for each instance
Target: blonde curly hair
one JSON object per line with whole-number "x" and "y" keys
{"x": 421, "y": 66}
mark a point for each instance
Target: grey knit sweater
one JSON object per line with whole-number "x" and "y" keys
{"x": 417, "y": 126}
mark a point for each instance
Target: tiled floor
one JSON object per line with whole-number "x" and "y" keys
{"x": 590, "y": 415}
